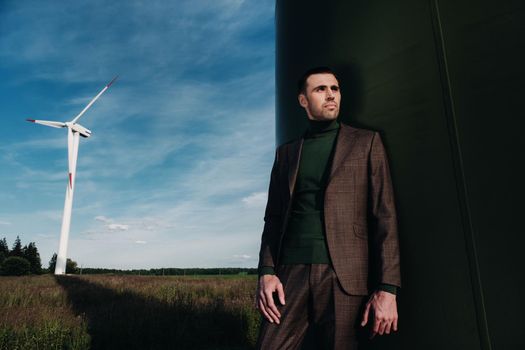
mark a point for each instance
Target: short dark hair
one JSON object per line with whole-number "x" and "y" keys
{"x": 301, "y": 83}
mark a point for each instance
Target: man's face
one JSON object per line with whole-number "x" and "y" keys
{"x": 322, "y": 97}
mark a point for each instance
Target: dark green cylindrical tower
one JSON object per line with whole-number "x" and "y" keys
{"x": 443, "y": 81}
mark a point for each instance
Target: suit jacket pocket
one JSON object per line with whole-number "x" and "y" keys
{"x": 360, "y": 231}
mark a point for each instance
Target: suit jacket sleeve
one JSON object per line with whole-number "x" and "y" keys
{"x": 383, "y": 219}
{"x": 272, "y": 220}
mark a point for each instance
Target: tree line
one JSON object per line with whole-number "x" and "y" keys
{"x": 171, "y": 271}
{"x": 25, "y": 260}
{"x": 19, "y": 260}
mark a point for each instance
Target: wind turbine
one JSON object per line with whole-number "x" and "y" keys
{"x": 73, "y": 131}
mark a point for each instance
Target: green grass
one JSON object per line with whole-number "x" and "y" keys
{"x": 136, "y": 312}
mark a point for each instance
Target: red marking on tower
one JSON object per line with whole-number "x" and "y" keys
{"x": 70, "y": 181}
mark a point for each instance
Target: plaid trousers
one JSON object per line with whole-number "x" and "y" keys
{"x": 315, "y": 299}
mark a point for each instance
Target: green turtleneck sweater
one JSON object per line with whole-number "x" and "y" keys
{"x": 304, "y": 241}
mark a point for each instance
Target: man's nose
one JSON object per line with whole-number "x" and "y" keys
{"x": 330, "y": 95}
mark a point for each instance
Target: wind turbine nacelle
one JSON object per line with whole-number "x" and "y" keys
{"x": 84, "y": 132}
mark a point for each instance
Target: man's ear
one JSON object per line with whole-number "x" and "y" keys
{"x": 302, "y": 100}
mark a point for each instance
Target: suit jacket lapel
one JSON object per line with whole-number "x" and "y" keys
{"x": 345, "y": 142}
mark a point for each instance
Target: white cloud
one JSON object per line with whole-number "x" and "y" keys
{"x": 109, "y": 225}
{"x": 118, "y": 227}
{"x": 256, "y": 199}
{"x": 242, "y": 256}
{"x": 102, "y": 218}
{"x": 4, "y": 222}
{"x": 140, "y": 242}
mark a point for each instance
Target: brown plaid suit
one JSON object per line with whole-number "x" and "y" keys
{"x": 359, "y": 211}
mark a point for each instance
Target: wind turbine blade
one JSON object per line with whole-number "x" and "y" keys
{"x": 93, "y": 100}
{"x": 48, "y": 123}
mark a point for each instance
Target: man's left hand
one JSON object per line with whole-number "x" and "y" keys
{"x": 384, "y": 309}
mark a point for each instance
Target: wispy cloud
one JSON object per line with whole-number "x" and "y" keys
{"x": 256, "y": 199}
{"x": 147, "y": 40}
{"x": 118, "y": 227}
{"x": 242, "y": 256}
{"x": 102, "y": 218}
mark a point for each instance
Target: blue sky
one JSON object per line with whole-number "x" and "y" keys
{"x": 177, "y": 169}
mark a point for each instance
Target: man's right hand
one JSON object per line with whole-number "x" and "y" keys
{"x": 268, "y": 284}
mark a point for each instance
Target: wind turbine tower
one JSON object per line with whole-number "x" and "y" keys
{"x": 74, "y": 130}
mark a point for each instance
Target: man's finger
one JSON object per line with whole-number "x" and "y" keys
{"x": 264, "y": 305}
{"x": 382, "y": 326}
{"x": 375, "y": 328}
{"x": 262, "y": 298}
{"x": 273, "y": 315}
{"x": 271, "y": 304}
{"x": 268, "y": 313}
{"x": 263, "y": 311}
{"x": 387, "y": 327}
{"x": 365, "y": 314}
{"x": 266, "y": 308}
{"x": 394, "y": 325}
{"x": 271, "y": 308}
{"x": 280, "y": 293}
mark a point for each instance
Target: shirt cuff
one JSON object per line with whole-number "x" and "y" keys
{"x": 266, "y": 270}
{"x": 387, "y": 288}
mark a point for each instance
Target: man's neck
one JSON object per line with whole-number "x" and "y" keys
{"x": 316, "y": 127}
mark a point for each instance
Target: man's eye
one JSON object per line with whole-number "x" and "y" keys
{"x": 321, "y": 88}
{"x": 335, "y": 88}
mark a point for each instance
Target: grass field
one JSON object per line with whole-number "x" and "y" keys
{"x": 128, "y": 312}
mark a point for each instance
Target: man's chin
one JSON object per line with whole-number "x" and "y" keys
{"x": 324, "y": 117}
{"x": 330, "y": 117}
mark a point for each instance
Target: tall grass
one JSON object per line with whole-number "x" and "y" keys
{"x": 34, "y": 314}
{"x": 136, "y": 312}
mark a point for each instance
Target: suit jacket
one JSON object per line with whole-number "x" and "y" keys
{"x": 359, "y": 210}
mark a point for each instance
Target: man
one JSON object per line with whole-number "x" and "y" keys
{"x": 330, "y": 233}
